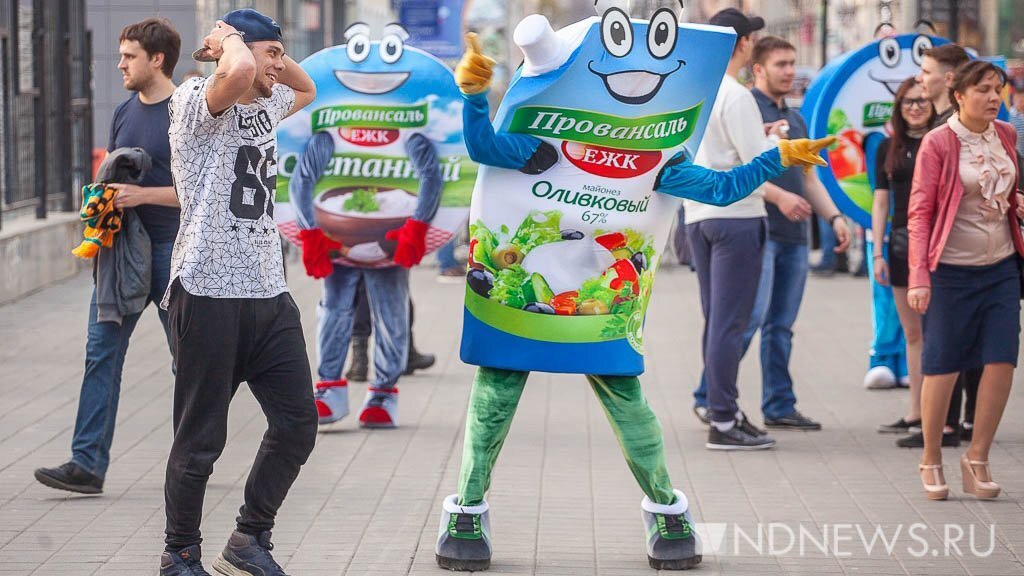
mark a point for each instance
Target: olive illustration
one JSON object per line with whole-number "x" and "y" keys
{"x": 591, "y": 307}
{"x": 481, "y": 281}
{"x": 506, "y": 255}
{"x": 539, "y": 307}
{"x": 639, "y": 261}
{"x": 572, "y": 235}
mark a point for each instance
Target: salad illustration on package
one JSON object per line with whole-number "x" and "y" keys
{"x": 546, "y": 269}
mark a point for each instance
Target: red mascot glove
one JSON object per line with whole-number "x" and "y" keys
{"x": 412, "y": 242}
{"x": 315, "y": 248}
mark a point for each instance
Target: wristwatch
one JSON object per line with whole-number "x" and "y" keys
{"x": 832, "y": 219}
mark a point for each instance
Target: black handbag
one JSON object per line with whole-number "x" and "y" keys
{"x": 899, "y": 243}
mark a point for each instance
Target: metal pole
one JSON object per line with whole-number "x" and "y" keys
{"x": 62, "y": 101}
{"x": 824, "y": 32}
{"x": 39, "y": 105}
{"x": 87, "y": 109}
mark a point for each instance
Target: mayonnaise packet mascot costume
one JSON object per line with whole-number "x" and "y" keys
{"x": 581, "y": 175}
{"x": 852, "y": 99}
{"x": 377, "y": 176}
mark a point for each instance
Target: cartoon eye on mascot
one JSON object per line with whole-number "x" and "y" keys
{"x": 581, "y": 174}
{"x": 377, "y": 176}
{"x": 852, "y": 99}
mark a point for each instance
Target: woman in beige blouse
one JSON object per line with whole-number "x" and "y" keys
{"x": 965, "y": 248}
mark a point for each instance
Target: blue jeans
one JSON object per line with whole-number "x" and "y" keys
{"x": 779, "y": 293}
{"x": 446, "y": 254}
{"x": 105, "y": 349}
{"x": 388, "y": 293}
{"x": 828, "y": 244}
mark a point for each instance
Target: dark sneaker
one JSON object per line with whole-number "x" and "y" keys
{"x": 71, "y": 477}
{"x": 901, "y": 426}
{"x": 418, "y": 361}
{"x": 702, "y": 414}
{"x": 464, "y": 539}
{"x": 736, "y": 438}
{"x": 747, "y": 426}
{"x": 792, "y": 421}
{"x": 184, "y": 562}
{"x": 671, "y": 542}
{"x": 247, "y": 555}
{"x": 949, "y": 440}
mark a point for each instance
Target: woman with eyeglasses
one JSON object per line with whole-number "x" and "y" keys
{"x": 894, "y": 171}
{"x": 965, "y": 277}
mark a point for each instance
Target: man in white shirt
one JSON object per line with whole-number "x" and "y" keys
{"x": 726, "y": 243}
{"x": 230, "y": 314}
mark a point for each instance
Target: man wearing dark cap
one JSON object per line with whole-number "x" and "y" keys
{"x": 726, "y": 245}
{"x": 230, "y": 314}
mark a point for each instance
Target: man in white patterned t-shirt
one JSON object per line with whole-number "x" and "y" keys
{"x": 230, "y": 314}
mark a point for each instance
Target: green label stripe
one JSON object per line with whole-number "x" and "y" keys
{"x": 544, "y": 327}
{"x": 657, "y": 132}
{"x": 877, "y": 114}
{"x": 367, "y": 116}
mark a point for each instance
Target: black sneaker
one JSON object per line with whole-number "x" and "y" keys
{"x": 792, "y": 421}
{"x": 702, "y": 414}
{"x": 247, "y": 555}
{"x": 949, "y": 440}
{"x": 464, "y": 539}
{"x": 747, "y": 426}
{"x": 184, "y": 562}
{"x": 736, "y": 438}
{"x": 901, "y": 426}
{"x": 71, "y": 477}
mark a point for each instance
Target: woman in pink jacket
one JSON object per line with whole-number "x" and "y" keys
{"x": 965, "y": 277}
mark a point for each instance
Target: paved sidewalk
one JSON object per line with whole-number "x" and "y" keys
{"x": 563, "y": 500}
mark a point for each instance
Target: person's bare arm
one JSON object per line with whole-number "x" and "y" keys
{"x": 296, "y": 78}
{"x": 823, "y": 205}
{"x": 236, "y": 68}
{"x": 130, "y": 195}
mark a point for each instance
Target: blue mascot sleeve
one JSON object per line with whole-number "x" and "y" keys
{"x": 522, "y": 152}
{"x": 314, "y": 159}
{"x": 423, "y": 156}
{"x": 682, "y": 178}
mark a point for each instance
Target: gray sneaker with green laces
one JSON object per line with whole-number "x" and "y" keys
{"x": 672, "y": 543}
{"x": 464, "y": 540}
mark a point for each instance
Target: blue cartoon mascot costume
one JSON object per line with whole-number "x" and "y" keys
{"x": 400, "y": 249}
{"x": 570, "y": 209}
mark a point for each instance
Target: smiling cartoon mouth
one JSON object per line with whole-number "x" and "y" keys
{"x": 371, "y": 82}
{"x": 634, "y": 86}
{"x": 891, "y": 84}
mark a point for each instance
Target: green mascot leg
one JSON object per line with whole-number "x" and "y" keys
{"x": 638, "y": 432}
{"x": 492, "y": 404}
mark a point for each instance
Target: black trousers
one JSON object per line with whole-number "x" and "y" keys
{"x": 219, "y": 343}
{"x": 966, "y": 390}
{"x": 361, "y": 325}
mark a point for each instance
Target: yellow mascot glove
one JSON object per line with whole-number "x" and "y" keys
{"x": 474, "y": 71}
{"x": 804, "y": 152}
